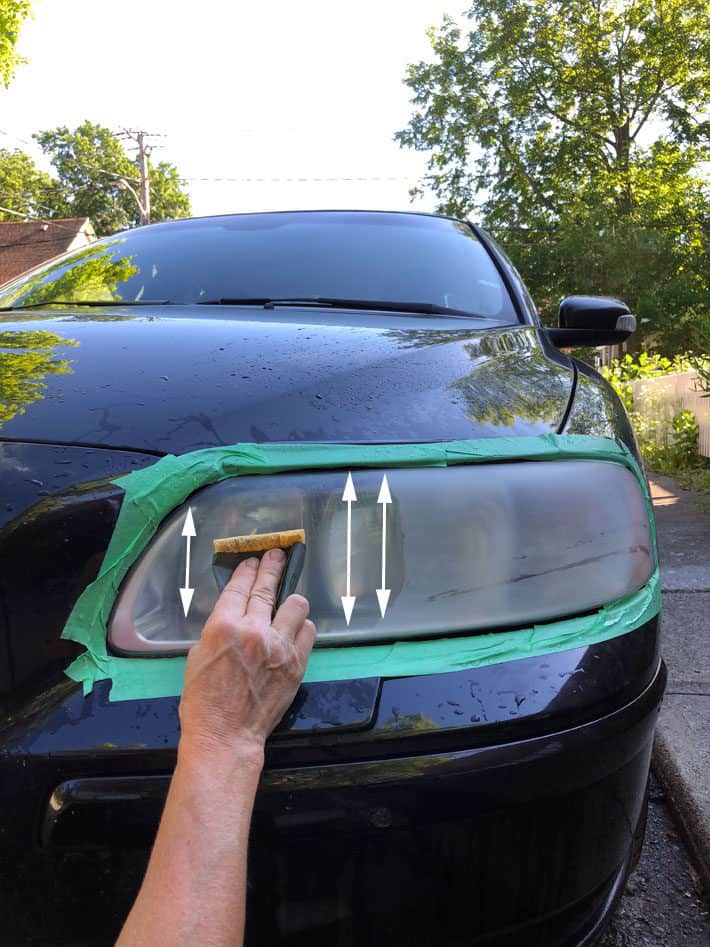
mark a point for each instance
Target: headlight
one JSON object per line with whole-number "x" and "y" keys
{"x": 467, "y": 548}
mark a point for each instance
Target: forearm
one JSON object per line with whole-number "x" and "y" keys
{"x": 239, "y": 679}
{"x": 195, "y": 884}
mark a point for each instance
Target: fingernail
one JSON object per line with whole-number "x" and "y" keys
{"x": 276, "y": 555}
{"x": 252, "y": 562}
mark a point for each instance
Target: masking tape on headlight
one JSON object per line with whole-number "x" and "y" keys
{"x": 152, "y": 493}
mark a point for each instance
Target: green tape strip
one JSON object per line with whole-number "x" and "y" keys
{"x": 152, "y": 493}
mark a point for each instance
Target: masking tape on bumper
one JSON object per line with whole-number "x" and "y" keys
{"x": 152, "y": 493}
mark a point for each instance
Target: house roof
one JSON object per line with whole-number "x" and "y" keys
{"x": 26, "y": 244}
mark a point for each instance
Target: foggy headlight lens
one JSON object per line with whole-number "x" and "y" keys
{"x": 466, "y": 548}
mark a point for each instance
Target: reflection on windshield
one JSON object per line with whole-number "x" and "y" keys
{"x": 91, "y": 274}
{"x": 386, "y": 257}
{"x": 26, "y": 358}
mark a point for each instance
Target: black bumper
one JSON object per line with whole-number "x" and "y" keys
{"x": 516, "y": 841}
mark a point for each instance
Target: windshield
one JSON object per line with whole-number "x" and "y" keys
{"x": 293, "y": 256}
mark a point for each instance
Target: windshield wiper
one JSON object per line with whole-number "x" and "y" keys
{"x": 87, "y": 302}
{"x": 335, "y": 302}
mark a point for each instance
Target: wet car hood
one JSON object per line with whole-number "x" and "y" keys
{"x": 178, "y": 380}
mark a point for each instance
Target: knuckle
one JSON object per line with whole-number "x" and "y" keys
{"x": 271, "y": 567}
{"x": 233, "y": 590}
{"x": 250, "y": 637}
{"x": 249, "y": 628}
{"x": 219, "y": 632}
{"x": 262, "y": 594}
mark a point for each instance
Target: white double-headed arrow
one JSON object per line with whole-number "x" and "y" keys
{"x": 188, "y": 531}
{"x": 348, "y": 600}
{"x": 383, "y": 593}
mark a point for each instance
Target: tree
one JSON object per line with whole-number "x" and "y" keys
{"x": 576, "y": 130}
{"x": 24, "y": 188}
{"x": 167, "y": 197}
{"x": 12, "y": 16}
{"x": 89, "y": 161}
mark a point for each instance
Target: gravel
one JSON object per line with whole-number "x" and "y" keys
{"x": 664, "y": 904}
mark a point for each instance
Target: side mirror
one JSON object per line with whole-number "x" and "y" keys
{"x": 592, "y": 320}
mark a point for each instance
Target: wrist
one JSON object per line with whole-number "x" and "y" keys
{"x": 243, "y": 754}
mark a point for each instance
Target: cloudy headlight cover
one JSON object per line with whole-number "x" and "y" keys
{"x": 467, "y": 548}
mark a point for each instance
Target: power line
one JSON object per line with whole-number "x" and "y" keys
{"x": 40, "y": 220}
{"x": 79, "y": 164}
{"x": 298, "y": 180}
{"x": 23, "y": 141}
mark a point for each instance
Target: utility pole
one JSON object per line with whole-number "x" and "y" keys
{"x": 143, "y": 153}
{"x": 144, "y": 150}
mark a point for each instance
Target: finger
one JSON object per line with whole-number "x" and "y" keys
{"x": 291, "y": 615}
{"x": 263, "y": 594}
{"x": 234, "y": 599}
{"x": 305, "y": 639}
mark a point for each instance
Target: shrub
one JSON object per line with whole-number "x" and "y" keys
{"x": 665, "y": 448}
{"x": 680, "y": 453}
{"x": 624, "y": 370}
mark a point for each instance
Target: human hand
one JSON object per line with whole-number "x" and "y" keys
{"x": 242, "y": 675}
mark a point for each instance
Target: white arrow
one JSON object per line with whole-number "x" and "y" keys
{"x": 188, "y": 531}
{"x": 383, "y": 593}
{"x": 348, "y": 600}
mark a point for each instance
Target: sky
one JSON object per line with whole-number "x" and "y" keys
{"x": 308, "y": 89}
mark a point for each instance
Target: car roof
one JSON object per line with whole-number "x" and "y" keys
{"x": 320, "y": 211}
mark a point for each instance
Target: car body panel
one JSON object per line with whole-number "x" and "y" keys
{"x": 177, "y": 379}
{"x": 56, "y": 518}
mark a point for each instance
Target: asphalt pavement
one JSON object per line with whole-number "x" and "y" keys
{"x": 681, "y": 757}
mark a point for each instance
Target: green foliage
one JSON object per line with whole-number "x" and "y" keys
{"x": 26, "y": 358}
{"x": 680, "y": 452}
{"x": 673, "y": 450}
{"x": 12, "y": 16}
{"x": 24, "y": 187}
{"x": 624, "y": 370}
{"x": 648, "y": 365}
{"x": 89, "y": 161}
{"x": 93, "y": 275}
{"x": 703, "y": 370}
{"x": 575, "y": 131}
{"x": 168, "y": 199}
{"x": 685, "y": 436}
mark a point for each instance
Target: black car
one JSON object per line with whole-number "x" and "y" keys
{"x": 467, "y": 760}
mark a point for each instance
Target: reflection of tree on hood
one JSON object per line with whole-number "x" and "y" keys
{"x": 510, "y": 379}
{"x": 532, "y": 389}
{"x": 25, "y": 359}
{"x": 91, "y": 275}
{"x": 423, "y": 338}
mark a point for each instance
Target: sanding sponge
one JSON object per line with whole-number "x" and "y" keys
{"x": 231, "y": 550}
{"x": 259, "y": 542}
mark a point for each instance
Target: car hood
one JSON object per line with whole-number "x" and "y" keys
{"x": 178, "y": 380}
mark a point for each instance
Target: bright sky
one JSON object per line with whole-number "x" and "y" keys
{"x": 279, "y": 89}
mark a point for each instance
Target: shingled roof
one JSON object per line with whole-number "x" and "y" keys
{"x": 26, "y": 244}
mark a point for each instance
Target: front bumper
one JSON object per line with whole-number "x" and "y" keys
{"x": 524, "y": 842}
{"x": 520, "y": 831}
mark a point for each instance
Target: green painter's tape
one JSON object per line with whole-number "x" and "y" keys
{"x": 152, "y": 493}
